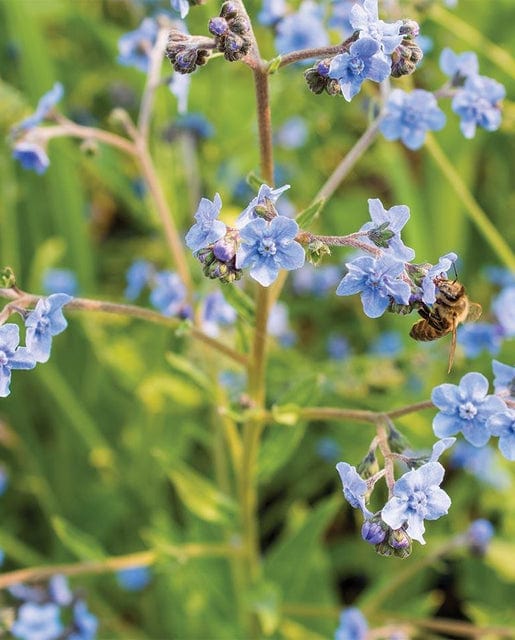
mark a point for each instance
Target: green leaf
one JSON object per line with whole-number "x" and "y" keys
{"x": 310, "y": 214}
{"x": 254, "y": 181}
{"x": 48, "y": 254}
{"x": 274, "y": 65}
{"x": 200, "y": 496}
{"x": 264, "y": 601}
{"x": 242, "y": 303}
{"x": 286, "y": 414}
{"x": 81, "y": 544}
{"x": 188, "y": 371}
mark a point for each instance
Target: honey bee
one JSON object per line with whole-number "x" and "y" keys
{"x": 452, "y": 306}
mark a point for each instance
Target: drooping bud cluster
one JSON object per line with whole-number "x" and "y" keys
{"x": 186, "y": 52}
{"x": 219, "y": 259}
{"x": 408, "y": 54}
{"x": 231, "y": 31}
{"x": 318, "y": 80}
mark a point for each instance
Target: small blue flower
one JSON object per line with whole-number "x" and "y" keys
{"x": 59, "y": 590}
{"x": 378, "y": 281}
{"x": 372, "y": 532}
{"x": 365, "y": 18}
{"x": 181, "y": 6}
{"x": 45, "y": 322}
{"x": 458, "y": 66}
{"x": 409, "y": 116}
{"x": 364, "y": 61}
{"x": 355, "y": 488}
{"x": 45, "y": 106}
{"x": 138, "y": 276}
{"x": 395, "y": 217}
{"x": 504, "y": 308}
{"x": 465, "y": 408}
{"x": 480, "y": 462}
{"x": 328, "y": 449}
{"x": 179, "y": 86}
{"x": 340, "y": 17}
{"x": 196, "y": 124}
{"x": 338, "y": 346}
{"x": 31, "y": 156}
{"x": 12, "y": 356}
{"x": 217, "y": 312}
{"x": 353, "y": 625}
{"x": 317, "y": 281}
{"x": 60, "y": 281}
{"x": 437, "y": 271}
{"x": 502, "y": 425}
{"x": 301, "y": 30}
{"x": 479, "y": 534}
{"x": 293, "y": 133}
{"x": 504, "y": 380}
{"x": 271, "y": 12}
{"x": 207, "y": 228}
{"x": 477, "y": 104}
{"x": 499, "y": 276}
{"x": 478, "y": 337}
{"x": 267, "y": 247}
{"x": 133, "y": 578}
{"x": 37, "y": 622}
{"x": 168, "y": 294}
{"x": 85, "y": 624}
{"x": 279, "y": 325}
{"x": 265, "y": 193}
{"x": 389, "y": 343}
{"x": 135, "y": 47}
{"x": 417, "y": 497}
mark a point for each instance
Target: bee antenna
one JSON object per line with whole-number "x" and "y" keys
{"x": 455, "y": 272}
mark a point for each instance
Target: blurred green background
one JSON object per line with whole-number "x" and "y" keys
{"x": 92, "y": 439}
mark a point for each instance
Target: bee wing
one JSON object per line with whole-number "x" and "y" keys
{"x": 453, "y": 346}
{"x": 475, "y": 311}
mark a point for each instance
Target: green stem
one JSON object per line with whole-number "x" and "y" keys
{"x": 474, "y": 211}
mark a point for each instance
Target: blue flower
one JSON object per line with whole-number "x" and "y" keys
{"x": 437, "y": 271}
{"x": 353, "y": 625}
{"x": 328, "y": 449}
{"x": 265, "y": 193}
{"x": 267, "y": 247}
{"x": 365, "y": 60}
{"x": 479, "y": 534}
{"x": 340, "y": 16}
{"x": 37, "y": 622}
{"x": 417, "y": 497}
{"x": 181, "y": 6}
{"x": 465, "y": 408}
{"x": 504, "y": 308}
{"x": 45, "y": 106}
{"x": 503, "y": 425}
{"x": 365, "y": 18}
{"x": 293, "y": 133}
{"x": 179, "y": 86}
{"x": 355, "y": 488}
{"x": 477, "y": 104}
{"x": 12, "y": 356}
{"x": 301, "y": 30}
{"x": 504, "y": 380}
{"x": 338, "y": 347}
{"x": 60, "y": 281}
{"x": 31, "y": 156}
{"x": 85, "y": 624}
{"x": 378, "y": 281}
{"x": 168, "y": 293}
{"x": 409, "y": 116}
{"x": 499, "y": 276}
{"x": 196, "y": 124}
{"x": 207, "y": 228}
{"x": 133, "y": 578}
{"x": 478, "y": 337}
{"x": 458, "y": 66}
{"x": 45, "y": 322}
{"x": 372, "y": 532}
{"x": 59, "y": 590}
{"x": 481, "y": 462}
{"x": 135, "y": 47}
{"x": 389, "y": 343}
{"x": 395, "y": 218}
{"x": 271, "y": 12}
{"x": 317, "y": 281}
{"x": 138, "y": 276}
{"x": 217, "y": 312}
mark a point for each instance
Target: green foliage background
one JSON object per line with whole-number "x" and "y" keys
{"x": 110, "y": 445}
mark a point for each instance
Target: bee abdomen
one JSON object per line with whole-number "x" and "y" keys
{"x": 424, "y": 332}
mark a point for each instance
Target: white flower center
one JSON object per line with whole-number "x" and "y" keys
{"x": 467, "y": 411}
{"x": 418, "y": 503}
{"x": 267, "y": 247}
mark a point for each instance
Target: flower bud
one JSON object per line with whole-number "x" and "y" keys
{"x": 381, "y": 235}
{"x": 397, "y": 543}
{"x": 406, "y": 57}
{"x": 396, "y": 441}
{"x": 318, "y": 80}
{"x": 316, "y": 250}
{"x": 374, "y": 531}
{"x": 7, "y": 278}
{"x": 225, "y": 248}
{"x": 218, "y": 26}
{"x": 409, "y": 29}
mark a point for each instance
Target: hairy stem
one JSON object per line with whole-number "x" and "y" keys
{"x": 317, "y": 52}
{"x": 152, "y": 83}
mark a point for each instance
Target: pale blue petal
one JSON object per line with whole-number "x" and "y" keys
{"x": 374, "y": 303}
{"x": 445, "y": 425}
{"x": 438, "y": 503}
{"x": 394, "y": 512}
{"x": 416, "y": 527}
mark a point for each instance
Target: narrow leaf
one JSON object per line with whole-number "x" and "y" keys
{"x": 83, "y": 545}
{"x": 310, "y": 214}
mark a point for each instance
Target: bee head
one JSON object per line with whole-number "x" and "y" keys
{"x": 450, "y": 289}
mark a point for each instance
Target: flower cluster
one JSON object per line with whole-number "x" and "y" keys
{"x": 375, "y": 51}
{"x": 231, "y": 31}
{"x": 44, "y": 322}
{"x": 52, "y": 612}
{"x": 262, "y": 240}
{"x": 467, "y": 408}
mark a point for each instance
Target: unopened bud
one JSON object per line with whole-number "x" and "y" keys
{"x": 374, "y": 531}
{"x": 381, "y": 235}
